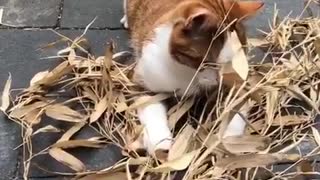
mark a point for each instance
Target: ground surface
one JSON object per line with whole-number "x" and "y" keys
{"x": 26, "y": 28}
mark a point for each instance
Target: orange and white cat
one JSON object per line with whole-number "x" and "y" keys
{"x": 172, "y": 42}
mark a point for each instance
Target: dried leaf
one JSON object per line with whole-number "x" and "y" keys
{"x": 253, "y": 160}
{"x": 99, "y": 109}
{"x": 239, "y": 60}
{"x": 255, "y": 42}
{"x": 145, "y": 100}
{"x": 33, "y": 117}
{"x": 87, "y": 92}
{"x": 108, "y": 56}
{"x": 48, "y": 128}
{"x": 72, "y": 56}
{"x": 63, "y": 113}
{"x": 79, "y": 143}
{"x": 246, "y": 144}
{"x": 74, "y": 129}
{"x": 305, "y": 166}
{"x": 181, "y": 143}
{"x": 317, "y": 46}
{"x": 20, "y": 112}
{"x": 106, "y": 176}
{"x": 55, "y": 75}
{"x": 67, "y": 159}
{"x": 5, "y": 99}
{"x": 295, "y": 89}
{"x": 39, "y": 76}
{"x": 290, "y": 120}
{"x": 181, "y": 110}
{"x": 177, "y": 164}
{"x": 316, "y": 135}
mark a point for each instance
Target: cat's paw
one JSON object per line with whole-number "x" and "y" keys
{"x": 156, "y": 134}
{"x": 157, "y": 139}
{"x": 124, "y": 21}
{"x": 236, "y": 127}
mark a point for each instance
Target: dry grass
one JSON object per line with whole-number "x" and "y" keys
{"x": 284, "y": 95}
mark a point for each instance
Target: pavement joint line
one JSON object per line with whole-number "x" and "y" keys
{"x": 18, "y": 164}
{"x": 58, "y": 24}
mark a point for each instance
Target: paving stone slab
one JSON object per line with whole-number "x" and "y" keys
{"x": 31, "y": 13}
{"x": 291, "y": 8}
{"x": 20, "y": 55}
{"x": 94, "y": 159}
{"x": 9, "y": 139}
{"x": 79, "y": 13}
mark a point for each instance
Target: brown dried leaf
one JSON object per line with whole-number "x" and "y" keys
{"x": 212, "y": 139}
{"x": 181, "y": 110}
{"x": 290, "y": 120}
{"x": 252, "y": 160}
{"x": 99, "y": 109}
{"x": 74, "y": 129}
{"x": 48, "y": 128}
{"x": 20, "y": 112}
{"x": 91, "y": 143}
{"x": 121, "y": 103}
{"x": 37, "y": 77}
{"x": 67, "y": 159}
{"x": 239, "y": 61}
{"x": 87, "y": 92}
{"x": 145, "y": 100}
{"x": 181, "y": 143}
{"x": 296, "y": 90}
{"x": 255, "y": 42}
{"x": 55, "y": 75}
{"x": 246, "y": 144}
{"x": 177, "y": 164}
{"x": 5, "y": 99}
{"x": 316, "y": 135}
{"x": 72, "y": 56}
{"x": 63, "y": 113}
{"x": 317, "y": 46}
{"x": 34, "y": 116}
{"x": 106, "y": 176}
{"x": 108, "y": 56}
{"x": 305, "y": 166}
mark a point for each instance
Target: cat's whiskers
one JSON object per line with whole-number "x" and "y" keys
{"x": 208, "y": 50}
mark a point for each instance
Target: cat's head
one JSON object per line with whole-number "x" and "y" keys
{"x": 200, "y": 23}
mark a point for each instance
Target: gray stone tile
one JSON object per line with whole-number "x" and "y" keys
{"x": 9, "y": 139}
{"x": 293, "y": 8}
{"x": 20, "y": 55}
{"x": 34, "y": 13}
{"x": 94, "y": 159}
{"x": 79, "y": 13}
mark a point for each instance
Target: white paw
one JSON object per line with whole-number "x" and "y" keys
{"x": 236, "y": 127}
{"x": 155, "y": 140}
{"x": 124, "y": 21}
{"x": 157, "y": 134}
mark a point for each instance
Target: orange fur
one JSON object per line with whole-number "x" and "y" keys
{"x": 189, "y": 41}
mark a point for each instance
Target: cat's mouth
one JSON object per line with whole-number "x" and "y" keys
{"x": 208, "y": 77}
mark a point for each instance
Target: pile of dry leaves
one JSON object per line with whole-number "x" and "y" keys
{"x": 284, "y": 94}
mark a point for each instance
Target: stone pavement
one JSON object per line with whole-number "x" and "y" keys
{"x": 26, "y": 27}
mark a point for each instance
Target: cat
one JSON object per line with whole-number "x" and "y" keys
{"x": 172, "y": 40}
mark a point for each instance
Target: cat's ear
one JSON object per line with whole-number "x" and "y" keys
{"x": 200, "y": 20}
{"x": 242, "y": 10}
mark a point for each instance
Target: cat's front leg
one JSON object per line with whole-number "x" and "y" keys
{"x": 156, "y": 135}
{"x": 238, "y": 124}
{"x": 124, "y": 19}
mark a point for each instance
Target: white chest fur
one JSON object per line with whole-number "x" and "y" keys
{"x": 159, "y": 72}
